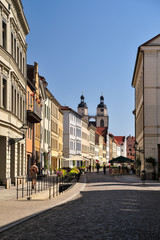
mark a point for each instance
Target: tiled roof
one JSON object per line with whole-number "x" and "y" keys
{"x": 116, "y": 141}
{"x": 102, "y": 130}
{"x": 120, "y": 139}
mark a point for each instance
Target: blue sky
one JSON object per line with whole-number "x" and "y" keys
{"x": 90, "y": 46}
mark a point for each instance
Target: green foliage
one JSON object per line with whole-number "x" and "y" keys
{"x": 74, "y": 171}
{"x": 61, "y": 172}
{"x": 50, "y": 168}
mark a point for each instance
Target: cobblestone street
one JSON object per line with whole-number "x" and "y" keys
{"x": 107, "y": 208}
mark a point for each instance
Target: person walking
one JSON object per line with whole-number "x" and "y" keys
{"x": 104, "y": 169}
{"x": 98, "y": 166}
{"x": 33, "y": 174}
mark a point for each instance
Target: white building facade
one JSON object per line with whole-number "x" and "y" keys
{"x": 71, "y": 136}
{"x": 146, "y": 81}
{"x": 13, "y": 29}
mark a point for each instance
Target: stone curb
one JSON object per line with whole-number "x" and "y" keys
{"x": 72, "y": 188}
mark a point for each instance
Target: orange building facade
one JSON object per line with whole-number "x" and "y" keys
{"x": 33, "y": 106}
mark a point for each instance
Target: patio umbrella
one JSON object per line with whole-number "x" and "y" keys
{"x": 121, "y": 159}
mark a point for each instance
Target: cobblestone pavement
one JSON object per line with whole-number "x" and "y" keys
{"x": 106, "y": 209}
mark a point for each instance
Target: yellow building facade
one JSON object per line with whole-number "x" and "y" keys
{"x": 56, "y": 134}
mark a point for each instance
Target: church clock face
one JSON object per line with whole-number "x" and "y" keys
{"x": 101, "y": 109}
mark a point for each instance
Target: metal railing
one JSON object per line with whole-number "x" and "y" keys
{"x": 54, "y": 184}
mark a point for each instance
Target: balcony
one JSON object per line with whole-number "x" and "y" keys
{"x": 34, "y": 113}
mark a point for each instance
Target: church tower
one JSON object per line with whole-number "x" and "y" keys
{"x": 102, "y": 116}
{"x": 82, "y": 108}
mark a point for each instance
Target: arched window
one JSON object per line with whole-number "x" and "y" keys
{"x": 102, "y": 123}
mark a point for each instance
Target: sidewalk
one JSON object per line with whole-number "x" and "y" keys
{"x": 133, "y": 179}
{"x": 14, "y": 211}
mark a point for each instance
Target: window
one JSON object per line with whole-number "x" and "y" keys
{"x": 12, "y": 99}
{"x": 49, "y": 114}
{"x": 21, "y": 108}
{"x": 4, "y": 34}
{"x": 18, "y": 104}
{"x": 14, "y": 48}
{"x": 102, "y": 123}
{"x": 24, "y": 110}
{"x": 71, "y": 145}
{"x": 30, "y": 104}
{"x": 4, "y": 99}
{"x": 45, "y": 135}
{"x": 23, "y": 66}
{"x": 28, "y": 129}
{"x": 28, "y": 99}
{"x": 21, "y": 61}
{"x": 54, "y": 143}
{"x": 71, "y": 130}
{"x": 12, "y": 44}
{"x": 45, "y": 111}
{"x": 15, "y": 101}
{"x": 18, "y": 56}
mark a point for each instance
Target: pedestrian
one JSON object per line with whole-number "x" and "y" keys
{"x": 104, "y": 169}
{"x": 98, "y": 167}
{"x": 33, "y": 174}
{"x": 89, "y": 168}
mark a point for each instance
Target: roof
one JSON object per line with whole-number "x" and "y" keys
{"x": 66, "y": 108}
{"x": 120, "y": 139}
{"x": 102, "y": 130}
{"x": 98, "y": 133}
{"x": 138, "y": 54}
{"x": 116, "y": 141}
{"x": 82, "y": 105}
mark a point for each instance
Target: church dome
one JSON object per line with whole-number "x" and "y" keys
{"x": 82, "y": 104}
{"x": 101, "y": 105}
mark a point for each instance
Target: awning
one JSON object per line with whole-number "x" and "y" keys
{"x": 76, "y": 158}
{"x": 99, "y": 161}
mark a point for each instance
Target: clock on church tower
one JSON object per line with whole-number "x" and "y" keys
{"x": 102, "y": 116}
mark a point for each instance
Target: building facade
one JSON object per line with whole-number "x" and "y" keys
{"x": 13, "y": 50}
{"x": 34, "y": 115}
{"x": 56, "y": 134}
{"x": 131, "y": 147}
{"x": 71, "y": 136}
{"x": 123, "y": 145}
{"x": 92, "y": 131}
{"x": 84, "y": 139}
{"x": 146, "y": 81}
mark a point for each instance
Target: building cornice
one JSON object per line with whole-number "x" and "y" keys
{"x": 19, "y": 8}
{"x": 2, "y": 7}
